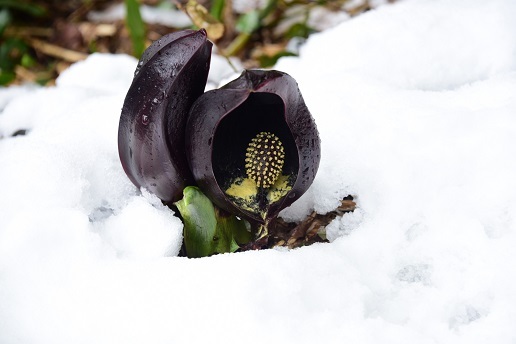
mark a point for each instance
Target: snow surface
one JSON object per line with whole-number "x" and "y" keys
{"x": 415, "y": 103}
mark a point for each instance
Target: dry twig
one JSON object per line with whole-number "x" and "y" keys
{"x": 56, "y": 51}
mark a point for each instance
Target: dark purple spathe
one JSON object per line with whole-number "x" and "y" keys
{"x": 170, "y": 76}
{"x": 228, "y": 117}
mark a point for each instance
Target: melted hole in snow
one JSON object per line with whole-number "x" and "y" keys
{"x": 317, "y": 227}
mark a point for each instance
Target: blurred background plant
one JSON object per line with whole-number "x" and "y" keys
{"x": 41, "y": 38}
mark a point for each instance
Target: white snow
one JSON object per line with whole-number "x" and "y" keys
{"x": 415, "y": 103}
{"x": 243, "y": 6}
{"x": 167, "y": 16}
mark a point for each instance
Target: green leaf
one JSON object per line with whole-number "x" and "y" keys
{"x": 5, "y": 19}
{"x": 6, "y": 77}
{"x": 11, "y": 51}
{"x": 31, "y": 9}
{"x": 27, "y": 61}
{"x": 200, "y": 223}
{"x": 208, "y": 230}
{"x": 224, "y": 234}
{"x": 217, "y": 7}
{"x": 136, "y": 26}
{"x": 299, "y": 30}
{"x": 269, "y": 61}
{"x": 232, "y": 230}
{"x": 249, "y": 22}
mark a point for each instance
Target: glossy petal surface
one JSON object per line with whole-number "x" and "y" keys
{"x": 170, "y": 76}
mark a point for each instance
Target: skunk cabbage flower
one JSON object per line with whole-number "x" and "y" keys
{"x": 170, "y": 76}
{"x": 252, "y": 145}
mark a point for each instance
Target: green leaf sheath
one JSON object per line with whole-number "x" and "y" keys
{"x": 208, "y": 230}
{"x": 200, "y": 223}
{"x": 231, "y": 231}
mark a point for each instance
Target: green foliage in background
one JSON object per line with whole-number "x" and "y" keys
{"x": 259, "y": 37}
{"x": 136, "y": 26}
{"x": 23, "y": 6}
{"x": 14, "y": 51}
{"x": 251, "y": 26}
